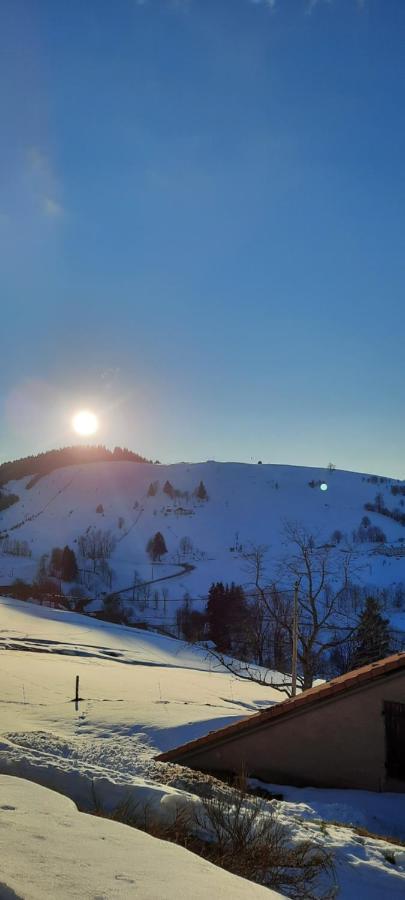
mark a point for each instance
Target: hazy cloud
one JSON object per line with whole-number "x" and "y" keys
{"x": 42, "y": 183}
{"x": 52, "y": 208}
{"x": 312, "y": 4}
{"x": 308, "y": 5}
{"x": 182, "y": 5}
{"x": 271, "y": 4}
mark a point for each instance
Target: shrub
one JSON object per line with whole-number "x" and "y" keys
{"x": 32, "y": 482}
{"x": 379, "y": 507}
{"x": 14, "y": 548}
{"x": 242, "y": 834}
{"x": 78, "y": 598}
{"x": 370, "y": 533}
{"x": 21, "y": 590}
{"x": 114, "y": 611}
{"x": 250, "y": 841}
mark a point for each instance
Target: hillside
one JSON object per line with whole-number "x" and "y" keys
{"x": 246, "y": 504}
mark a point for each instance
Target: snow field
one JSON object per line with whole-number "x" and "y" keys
{"x": 143, "y": 693}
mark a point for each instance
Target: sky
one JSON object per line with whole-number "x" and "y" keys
{"x": 202, "y": 224}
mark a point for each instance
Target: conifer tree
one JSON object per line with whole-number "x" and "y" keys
{"x": 69, "y": 569}
{"x": 217, "y": 619}
{"x": 169, "y": 489}
{"x": 372, "y": 637}
{"x": 55, "y": 564}
{"x": 201, "y": 491}
{"x": 156, "y": 547}
{"x": 228, "y": 617}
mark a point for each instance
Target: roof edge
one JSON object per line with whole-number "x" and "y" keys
{"x": 358, "y": 678}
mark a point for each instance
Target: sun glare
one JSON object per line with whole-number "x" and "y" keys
{"x": 85, "y": 422}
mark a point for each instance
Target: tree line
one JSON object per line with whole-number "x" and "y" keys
{"x": 42, "y": 463}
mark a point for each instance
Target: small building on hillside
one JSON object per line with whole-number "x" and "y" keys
{"x": 346, "y": 733}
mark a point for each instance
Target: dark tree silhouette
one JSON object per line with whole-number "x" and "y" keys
{"x": 43, "y": 463}
{"x": 217, "y": 617}
{"x": 55, "y": 563}
{"x": 69, "y": 570}
{"x": 372, "y": 637}
{"x": 169, "y": 489}
{"x": 156, "y": 547}
{"x": 201, "y": 491}
{"x": 228, "y": 617}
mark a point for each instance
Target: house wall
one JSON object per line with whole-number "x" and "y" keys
{"x": 338, "y": 743}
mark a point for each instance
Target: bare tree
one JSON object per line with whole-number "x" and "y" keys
{"x": 249, "y": 671}
{"x": 269, "y": 610}
{"x": 96, "y": 545}
{"x": 323, "y": 575}
{"x": 185, "y": 547}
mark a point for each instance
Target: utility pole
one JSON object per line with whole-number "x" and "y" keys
{"x": 294, "y": 642}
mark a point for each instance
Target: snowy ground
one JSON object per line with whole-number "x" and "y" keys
{"x": 48, "y": 849}
{"x": 143, "y": 693}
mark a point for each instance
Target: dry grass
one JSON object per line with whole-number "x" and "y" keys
{"x": 250, "y": 841}
{"x": 242, "y": 834}
{"x": 364, "y": 832}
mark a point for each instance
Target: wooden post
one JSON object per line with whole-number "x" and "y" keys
{"x": 77, "y": 693}
{"x": 294, "y": 642}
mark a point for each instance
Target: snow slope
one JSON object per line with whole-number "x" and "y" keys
{"x": 142, "y": 693}
{"x": 48, "y": 849}
{"x": 247, "y": 503}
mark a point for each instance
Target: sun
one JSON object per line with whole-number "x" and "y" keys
{"x": 85, "y": 422}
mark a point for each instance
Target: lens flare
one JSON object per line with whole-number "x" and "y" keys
{"x": 85, "y": 422}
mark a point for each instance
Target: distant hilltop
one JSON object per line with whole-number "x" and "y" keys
{"x": 43, "y": 463}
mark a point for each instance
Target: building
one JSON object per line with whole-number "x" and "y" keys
{"x": 346, "y": 733}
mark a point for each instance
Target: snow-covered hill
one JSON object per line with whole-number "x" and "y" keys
{"x": 246, "y": 504}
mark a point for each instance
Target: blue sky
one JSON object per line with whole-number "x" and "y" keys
{"x": 202, "y": 220}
